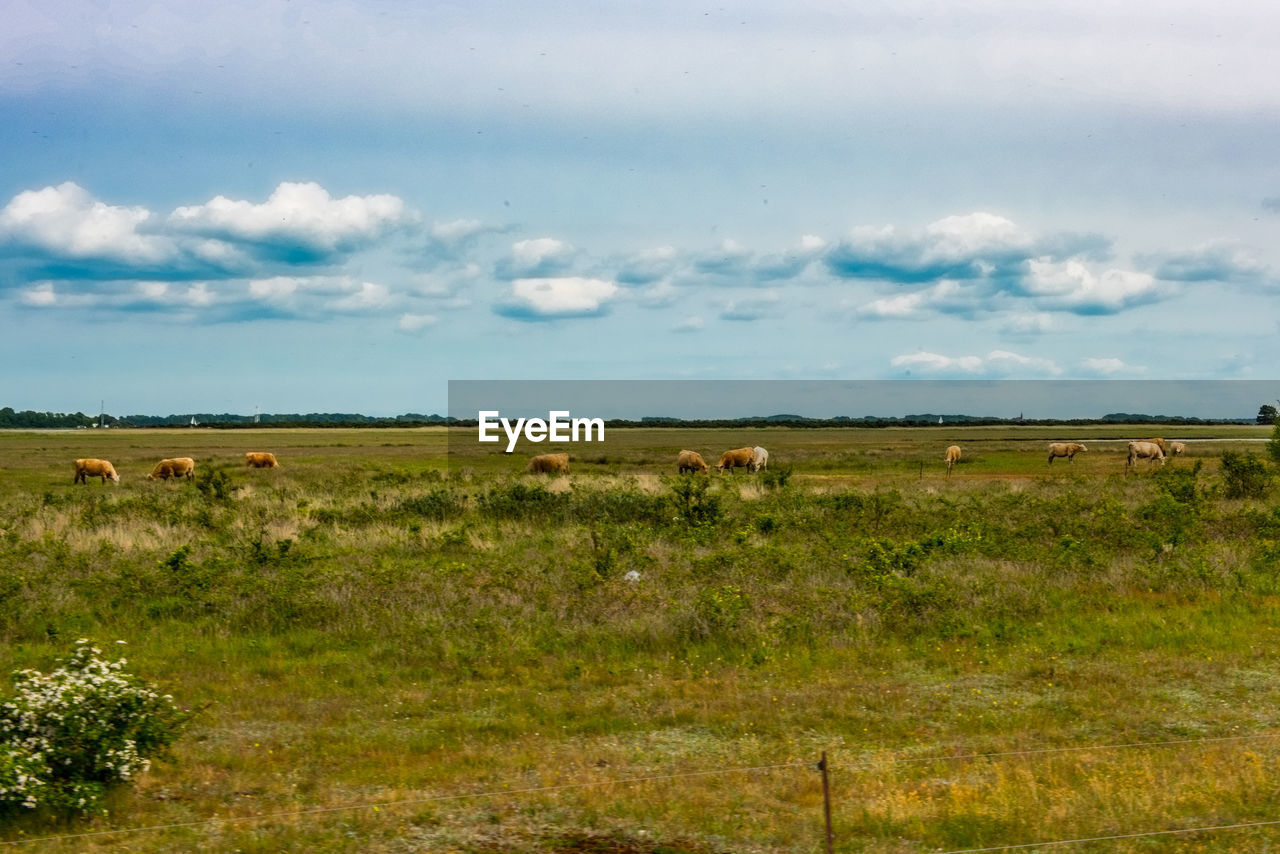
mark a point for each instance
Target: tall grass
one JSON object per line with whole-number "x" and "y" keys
{"x": 364, "y": 627}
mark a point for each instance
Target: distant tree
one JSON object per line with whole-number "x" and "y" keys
{"x": 1267, "y": 414}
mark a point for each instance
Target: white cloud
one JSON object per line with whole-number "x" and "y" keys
{"x": 1072, "y": 286}
{"x": 1107, "y": 367}
{"x": 457, "y": 231}
{"x": 366, "y": 296}
{"x": 689, "y": 324}
{"x": 295, "y": 215}
{"x": 902, "y": 305}
{"x": 66, "y": 221}
{"x": 274, "y": 289}
{"x": 1028, "y": 324}
{"x": 539, "y": 257}
{"x": 415, "y": 323}
{"x": 545, "y": 298}
{"x": 42, "y": 295}
{"x": 973, "y": 234}
{"x": 995, "y": 363}
{"x": 755, "y": 308}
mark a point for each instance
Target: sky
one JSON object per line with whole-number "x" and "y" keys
{"x": 339, "y": 207}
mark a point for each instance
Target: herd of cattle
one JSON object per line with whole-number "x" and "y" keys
{"x": 1151, "y": 450}
{"x": 183, "y": 467}
{"x": 752, "y": 459}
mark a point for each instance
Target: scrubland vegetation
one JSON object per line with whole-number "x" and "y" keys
{"x": 369, "y": 625}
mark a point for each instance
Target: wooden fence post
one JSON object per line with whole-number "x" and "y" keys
{"x": 826, "y": 802}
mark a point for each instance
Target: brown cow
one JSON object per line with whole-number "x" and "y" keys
{"x": 737, "y": 458}
{"x": 1065, "y": 449}
{"x": 176, "y": 467}
{"x": 89, "y": 467}
{"x": 260, "y": 460}
{"x": 953, "y": 457}
{"x": 549, "y": 464}
{"x": 1164, "y": 449}
{"x": 692, "y": 461}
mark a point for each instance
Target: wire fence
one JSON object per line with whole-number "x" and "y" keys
{"x": 821, "y": 765}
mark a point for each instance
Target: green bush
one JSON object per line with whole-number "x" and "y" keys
{"x": 1244, "y": 475}
{"x": 693, "y": 500}
{"x": 67, "y": 737}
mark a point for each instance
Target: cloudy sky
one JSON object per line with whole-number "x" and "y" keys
{"x": 315, "y": 206}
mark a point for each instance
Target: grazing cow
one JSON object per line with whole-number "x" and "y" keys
{"x": 759, "y": 459}
{"x": 89, "y": 467}
{"x": 952, "y": 457}
{"x": 1177, "y": 448}
{"x": 1149, "y": 451}
{"x": 260, "y": 460}
{"x": 1164, "y": 449}
{"x": 692, "y": 461}
{"x": 549, "y": 464}
{"x": 176, "y": 467}
{"x": 1065, "y": 449}
{"x": 737, "y": 458}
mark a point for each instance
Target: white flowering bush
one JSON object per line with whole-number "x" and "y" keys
{"x": 68, "y": 736}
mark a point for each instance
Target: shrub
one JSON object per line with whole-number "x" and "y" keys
{"x": 776, "y": 478}
{"x": 694, "y": 503}
{"x": 65, "y": 738}
{"x": 1244, "y": 475}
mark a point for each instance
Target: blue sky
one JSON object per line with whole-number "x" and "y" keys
{"x": 306, "y": 206}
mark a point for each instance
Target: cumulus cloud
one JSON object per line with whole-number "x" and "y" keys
{"x": 647, "y": 267}
{"x": 994, "y": 363}
{"x": 1213, "y": 262}
{"x": 66, "y": 222}
{"x": 299, "y": 222}
{"x": 979, "y": 245}
{"x": 946, "y": 296}
{"x": 148, "y": 297}
{"x": 537, "y": 258}
{"x": 1072, "y": 286}
{"x": 551, "y": 298}
{"x": 735, "y": 262}
{"x": 365, "y": 297}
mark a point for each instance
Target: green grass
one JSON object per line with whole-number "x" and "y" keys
{"x": 375, "y": 622}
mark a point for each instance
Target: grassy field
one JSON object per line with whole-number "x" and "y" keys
{"x": 622, "y": 660}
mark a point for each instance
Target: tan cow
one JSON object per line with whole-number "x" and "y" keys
{"x": 1177, "y": 448}
{"x": 952, "y": 457}
{"x": 1164, "y": 449}
{"x": 549, "y": 464}
{"x": 176, "y": 467}
{"x": 759, "y": 459}
{"x": 260, "y": 460}
{"x": 1149, "y": 451}
{"x": 1065, "y": 449}
{"x": 737, "y": 458}
{"x": 691, "y": 461}
{"x": 89, "y": 467}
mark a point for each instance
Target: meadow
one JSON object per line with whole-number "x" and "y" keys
{"x": 399, "y": 642}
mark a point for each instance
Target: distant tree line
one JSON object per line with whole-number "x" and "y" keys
{"x": 29, "y": 418}
{"x": 228, "y": 421}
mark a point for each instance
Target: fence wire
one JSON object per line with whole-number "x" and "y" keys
{"x": 864, "y": 764}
